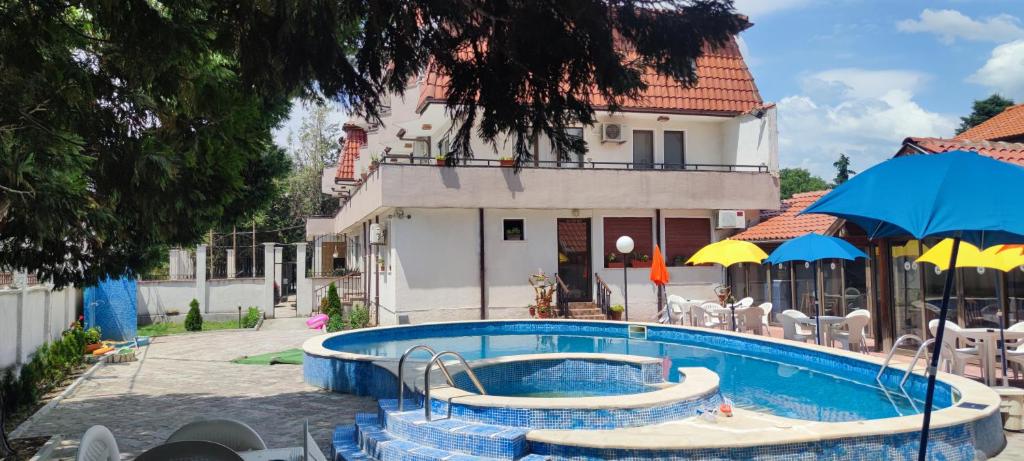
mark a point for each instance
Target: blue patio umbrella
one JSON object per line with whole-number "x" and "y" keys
{"x": 813, "y": 248}
{"x": 961, "y": 195}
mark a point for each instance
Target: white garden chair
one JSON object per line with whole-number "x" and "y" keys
{"x": 98, "y": 444}
{"x": 791, "y": 329}
{"x": 852, "y": 332}
{"x": 235, "y": 435}
{"x": 766, "y": 309}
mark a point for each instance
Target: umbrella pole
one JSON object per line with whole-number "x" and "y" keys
{"x": 817, "y": 302}
{"x": 933, "y": 366}
{"x": 1002, "y": 328}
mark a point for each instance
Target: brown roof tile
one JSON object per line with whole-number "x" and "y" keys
{"x": 1012, "y": 152}
{"x": 785, "y": 224}
{"x": 1007, "y": 124}
{"x": 355, "y": 138}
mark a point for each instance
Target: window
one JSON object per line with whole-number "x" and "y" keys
{"x": 444, "y": 146}
{"x": 643, "y": 149}
{"x": 575, "y": 160}
{"x": 675, "y": 150}
{"x": 513, "y": 229}
{"x": 683, "y": 237}
{"x": 637, "y": 228}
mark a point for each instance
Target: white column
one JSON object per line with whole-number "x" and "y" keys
{"x": 200, "y": 293}
{"x": 303, "y": 286}
{"x": 19, "y": 283}
{"x": 231, "y": 263}
{"x": 173, "y": 263}
{"x": 268, "y": 280}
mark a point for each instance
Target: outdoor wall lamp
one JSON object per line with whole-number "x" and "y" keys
{"x": 625, "y": 246}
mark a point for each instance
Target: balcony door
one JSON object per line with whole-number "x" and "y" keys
{"x": 574, "y": 257}
{"x": 643, "y": 149}
{"x": 675, "y": 150}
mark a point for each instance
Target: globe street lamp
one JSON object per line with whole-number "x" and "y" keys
{"x": 625, "y": 246}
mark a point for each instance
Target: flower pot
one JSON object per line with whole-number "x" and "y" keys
{"x": 615, "y": 315}
{"x": 615, "y": 265}
{"x": 507, "y": 163}
{"x": 640, "y": 264}
{"x": 440, "y": 162}
{"x": 533, "y": 311}
{"x": 543, "y": 314}
{"x": 89, "y": 348}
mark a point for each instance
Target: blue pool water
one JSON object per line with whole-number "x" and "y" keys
{"x": 758, "y": 383}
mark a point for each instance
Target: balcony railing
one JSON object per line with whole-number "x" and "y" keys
{"x": 568, "y": 165}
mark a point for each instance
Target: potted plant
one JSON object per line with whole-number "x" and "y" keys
{"x": 615, "y": 312}
{"x": 440, "y": 160}
{"x": 679, "y": 260}
{"x": 374, "y": 162}
{"x": 364, "y": 174}
{"x": 506, "y": 161}
{"x": 92, "y": 340}
{"x": 544, "y": 311}
{"x": 641, "y": 261}
{"x": 613, "y": 261}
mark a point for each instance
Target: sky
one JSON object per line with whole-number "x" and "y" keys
{"x": 859, "y": 76}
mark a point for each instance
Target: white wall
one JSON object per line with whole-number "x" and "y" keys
{"x": 226, "y": 295}
{"x": 156, "y": 297}
{"x": 30, "y": 317}
{"x": 510, "y": 263}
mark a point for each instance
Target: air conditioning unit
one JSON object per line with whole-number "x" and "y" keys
{"x": 378, "y": 234}
{"x": 613, "y": 132}
{"x": 732, "y": 219}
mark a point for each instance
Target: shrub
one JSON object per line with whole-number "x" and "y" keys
{"x": 194, "y": 320}
{"x": 252, "y": 317}
{"x": 335, "y": 324}
{"x": 359, "y": 318}
{"x": 335, "y": 320}
{"x": 50, "y": 365}
{"x": 92, "y": 335}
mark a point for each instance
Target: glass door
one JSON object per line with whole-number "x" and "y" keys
{"x": 643, "y": 149}
{"x": 574, "y": 257}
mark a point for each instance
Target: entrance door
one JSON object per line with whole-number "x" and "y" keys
{"x": 574, "y": 257}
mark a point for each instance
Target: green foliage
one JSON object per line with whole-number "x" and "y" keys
{"x": 843, "y": 171}
{"x": 50, "y": 365}
{"x": 359, "y": 317}
{"x": 335, "y": 320}
{"x": 616, "y": 308}
{"x": 92, "y": 335}
{"x": 194, "y": 320}
{"x": 252, "y": 317}
{"x": 798, "y": 180}
{"x": 336, "y": 324}
{"x": 982, "y": 110}
{"x": 141, "y": 125}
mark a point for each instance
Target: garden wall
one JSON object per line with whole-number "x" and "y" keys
{"x": 32, "y": 316}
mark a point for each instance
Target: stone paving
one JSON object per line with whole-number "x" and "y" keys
{"x": 185, "y": 377}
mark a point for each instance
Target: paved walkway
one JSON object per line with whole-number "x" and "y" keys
{"x": 185, "y": 377}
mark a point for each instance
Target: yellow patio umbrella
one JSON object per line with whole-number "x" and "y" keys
{"x": 970, "y": 256}
{"x": 908, "y": 249}
{"x": 727, "y": 253}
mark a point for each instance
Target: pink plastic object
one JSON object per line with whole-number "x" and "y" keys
{"x": 317, "y": 322}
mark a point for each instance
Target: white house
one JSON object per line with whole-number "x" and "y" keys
{"x": 681, "y": 167}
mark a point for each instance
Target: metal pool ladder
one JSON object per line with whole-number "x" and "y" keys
{"x": 922, "y": 349}
{"x": 426, "y": 379}
{"x": 401, "y": 371}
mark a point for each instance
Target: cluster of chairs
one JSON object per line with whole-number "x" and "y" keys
{"x": 206, "y": 440}
{"x": 707, "y": 314}
{"x": 851, "y": 332}
{"x": 965, "y": 348}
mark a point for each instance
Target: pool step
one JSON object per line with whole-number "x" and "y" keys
{"x": 344, "y": 446}
{"x": 453, "y": 435}
{"x": 585, "y": 311}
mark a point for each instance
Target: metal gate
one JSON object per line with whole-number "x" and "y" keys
{"x": 284, "y": 272}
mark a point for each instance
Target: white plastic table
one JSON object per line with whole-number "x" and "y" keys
{"x": 827, "y": 322}
{"x": 988, "y": 347}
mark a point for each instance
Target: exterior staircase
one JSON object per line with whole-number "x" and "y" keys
{"x": 585, "y": 311}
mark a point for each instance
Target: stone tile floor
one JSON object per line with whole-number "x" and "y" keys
{"x": 185, "y": 377}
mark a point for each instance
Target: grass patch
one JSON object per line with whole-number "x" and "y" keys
{"x": 169, "y": 328}
{"x": 290, "y": 357}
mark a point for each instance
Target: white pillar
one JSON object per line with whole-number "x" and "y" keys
{"x": 230, "y": 257}
{"x": 19, "y": 282}
{"x": 318, "y": 256}
{"x": 268, "y": 280}
{"x": 200, "y": 293}
{"x": 303, "y": 286}
{"x": 173, "y": 262}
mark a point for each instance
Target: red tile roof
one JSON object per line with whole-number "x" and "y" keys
{"x": 786, "y": 224}
{"x": 1012, "y": 152}
{"x": 725, "y": 87}
{"x": 1007, "y": 125}
{"x": 355, "y": 138}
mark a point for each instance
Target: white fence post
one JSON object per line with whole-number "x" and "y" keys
{"x": 19, "y": 357}
{"x": 268, "y": 279}
{"x": 231, "y": 262}
{"x": 303, "y": 286}
{"x": 201, "y": 279}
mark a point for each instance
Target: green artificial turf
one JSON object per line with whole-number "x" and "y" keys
{"x": 290, "y": 357}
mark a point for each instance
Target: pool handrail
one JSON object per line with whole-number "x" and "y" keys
{"x": 924, "y": 348}
{"x": 401, "y": 371}
{"x": 426, "y": 378}
{"x": 892, "y": 351}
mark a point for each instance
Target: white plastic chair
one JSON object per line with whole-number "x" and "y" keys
{"x": 98, "y": 444}
{"x": 745, "y": 302}
{"x": 678, "y": 309}
{"x": 766, "y": 309}
{"x": 700, "y": 317}
{"x": 953, "y": 338}
{"x": 749, "y": 319}
{"x": 853, "y": 330}
{"x": 1015, "y": 350}
{"x": 310, "y": 450}
{"x": 190, "y": 450}
{"x": 235, "y": 435}
{"x": 792, "y": 330}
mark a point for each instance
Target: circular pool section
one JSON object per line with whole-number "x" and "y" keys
{"x": 789, "y": 381}
{"x": 541, "y": 376}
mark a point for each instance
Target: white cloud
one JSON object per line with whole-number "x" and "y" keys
{"x": 1004, "y": 70}
{"x": 951, "y": 25}
{"x": 859, "y": 117}
{"x": 757, "y": 8}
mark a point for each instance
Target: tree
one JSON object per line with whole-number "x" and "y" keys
{"x": 843, "y": 171}
{"x": 983, "y": 109}
{"x": 194, "y": 319}
{"x": 134, "y": 125}
{"x": 797, "y": 180}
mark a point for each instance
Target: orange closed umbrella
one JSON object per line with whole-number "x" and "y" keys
{"x": 659, "y": 273}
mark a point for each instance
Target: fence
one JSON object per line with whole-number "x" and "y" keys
{"x": 31, "y": 316}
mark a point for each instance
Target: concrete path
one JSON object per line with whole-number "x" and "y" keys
{"x": 185, "y": 377}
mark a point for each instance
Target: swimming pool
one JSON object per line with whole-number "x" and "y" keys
{"x": 806, "y": 399}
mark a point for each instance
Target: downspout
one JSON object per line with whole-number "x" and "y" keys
{"x": 483, "y": 269}
{"x": 657, "y": 238}
{"x": 366, "y": 266}
{"x": 376, "y": 277}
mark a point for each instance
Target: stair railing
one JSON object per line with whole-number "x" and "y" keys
{"x": 563, "y": 297}
{"x": 426, "y": 379}
{"x": 602, "y": 295}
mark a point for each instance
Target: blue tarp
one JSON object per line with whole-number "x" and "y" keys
{"x": 112, "y": 306}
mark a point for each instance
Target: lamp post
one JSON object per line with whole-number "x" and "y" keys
{"x": 625, "y": 246}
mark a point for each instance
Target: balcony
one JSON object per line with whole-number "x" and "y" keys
{"x": 485, "y": 183}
